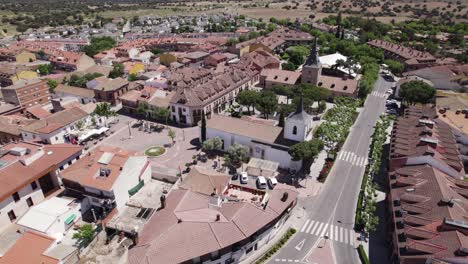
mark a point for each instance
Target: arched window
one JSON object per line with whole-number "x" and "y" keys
{"x": 295, "y": 130}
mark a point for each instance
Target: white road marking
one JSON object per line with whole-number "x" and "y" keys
{"x": 318, "y": 230}
{"x": 330, "y": 234}
{"x": 345, "y": 240}
{"x": 305, "y": 225}
{"x": 300, "y": 245}
{"x": 313, "y": 229}
{"x": 324, "y": 230}
{"x": 337, "y": 233}
{"x": 351, "y": 237}
{"x": 341, "y": 234}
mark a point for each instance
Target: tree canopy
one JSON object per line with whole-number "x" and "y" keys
{"x": 117, "y": 71}
{"x": 99, "y": 44}
{"x": 248, "y": 98}
{"x": 267, "y": 103}
{"x": 414, "y": 92}
{"x": 305, "y": 149}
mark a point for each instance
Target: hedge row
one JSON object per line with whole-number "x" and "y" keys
{"x": 277, "y": 246}
{"x": 362, "y": 255}
{"x": 358, "y": 223}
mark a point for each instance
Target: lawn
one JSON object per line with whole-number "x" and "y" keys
{"x": 155, "y": 151}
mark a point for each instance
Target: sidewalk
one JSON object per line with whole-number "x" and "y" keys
{"x": 294, "y": 221}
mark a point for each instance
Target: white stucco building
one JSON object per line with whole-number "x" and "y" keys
{"x": 107, "y": 177}
{"x": 28, "y": 174}
{"x": 265, "y": 141}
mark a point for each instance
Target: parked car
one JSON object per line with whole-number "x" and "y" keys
{"x": 244, "y": 178}
{"x": 316, "y": 118}
{"x": 235, "y": 176}
{"x": 272, "y": 182}
{"x": 261, "y": 182}
{"x": 391, "y": 112}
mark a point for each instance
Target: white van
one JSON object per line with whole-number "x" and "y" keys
{"x": 244, "y": 178}
{"x": 272, "y": 182}
{"x": 261, "y": 182}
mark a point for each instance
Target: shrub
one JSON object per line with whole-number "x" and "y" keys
{"x": 363, "y": 255}
{"x": 277, "y": 246}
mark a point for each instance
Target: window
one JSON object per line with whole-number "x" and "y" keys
{"x": 16, "y": 197}
{"x": 11, "y": 215}
{"x": 70, "y": 162}
{"x": 294, "y": 130}
{"x": 56, "y": 138}
{"x": 173, "y": 108}
{"x": 30, "y": 202}
{"x": 34, "y": 185}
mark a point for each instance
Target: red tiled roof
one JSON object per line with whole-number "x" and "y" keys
{"x": 29, "y": 248}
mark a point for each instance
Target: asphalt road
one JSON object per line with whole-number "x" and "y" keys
{"x": 330, "y": 215}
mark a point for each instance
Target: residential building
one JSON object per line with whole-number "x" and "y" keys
{"x": 110, "y": 90}
{"x": 411, "y": 58}
{"x": 215, "y": 59}
{"x": 29, "y": 173}
{"x": 211, "y": 96}
{"x": 26, "y": 93}
{"x": 427, "y": 193}
{"x": 82, "y": 95}
{"x": 106, "y": 177}
{"x": 443, "y": 77}
{"x": 52, "y": 217}
{"x": 10, "y": 128}
{"x": 33, "y": 247}
{"x": 197, "y": 225}
{"x": 56, "y": 128}
{"x": 275, "y": 77}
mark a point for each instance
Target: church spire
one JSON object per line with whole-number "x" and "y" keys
{"x": 313, "y": 58}
{"x": 300, "y": 105}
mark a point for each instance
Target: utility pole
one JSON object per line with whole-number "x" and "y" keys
{"x": 129, "y": 130}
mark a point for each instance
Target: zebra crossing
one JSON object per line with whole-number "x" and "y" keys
{"x": 333, "y": 232}
{"x": 379, "y": 94}
{"x": 352, "y": 158}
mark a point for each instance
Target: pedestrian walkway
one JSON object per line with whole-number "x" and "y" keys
{"x": 379, "y": 94}
{"x": 317, "y": 165}
{"x": 333, "y": 232}
{"x": 353, "y": 158}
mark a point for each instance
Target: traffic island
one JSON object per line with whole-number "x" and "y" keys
{"x": 155, "y": 151}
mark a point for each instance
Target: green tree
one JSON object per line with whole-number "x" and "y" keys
{"x": 267, "y": 103}
{"x": 248, "y": 98}
{"x": 395, "y": 67}
{"x": 117, "y": 71}
{"x": 85, "y": 234}
{"x": 211, "y": 145}
{"x": 235, "y": 155}
{"x": 413, "y": 92}
{"x": 283, "y": 90}
{"x": 203, "y": 127}
{"x": 172, "y": 135}
{"x": 98, "y": 45}
{"x": 305, "y": 150}
{"x": 44, "y": 69}
{"x": 132, "y": 77}
{"x": 232, "y": 41}
{"x": 162, "y": 113}
{"x": 104, "y": 110}
{"x": 289, "y": 66}
{"x": 52, "y": 84}
{"x": 143, "y": 109}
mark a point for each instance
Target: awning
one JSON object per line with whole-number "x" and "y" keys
{"x": 70, "y": 219}
{"x": 135, "y": 189}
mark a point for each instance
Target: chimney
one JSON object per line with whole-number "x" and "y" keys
{"x": 285, "y": 197}
{"x": 218, "y": 217}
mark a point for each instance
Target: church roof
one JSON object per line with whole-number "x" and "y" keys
{"x": 313, "y": 59}
{"x": 300, "y": 114}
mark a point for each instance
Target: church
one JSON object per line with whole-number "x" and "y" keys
{"x": 336, "y": 81}
{"x": 264, "y": 140}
